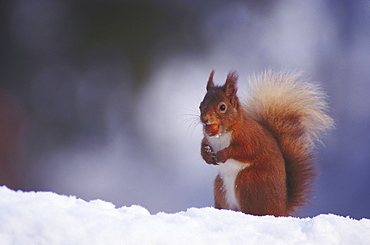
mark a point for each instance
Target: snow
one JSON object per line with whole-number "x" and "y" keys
{"x": 49, "y": 218}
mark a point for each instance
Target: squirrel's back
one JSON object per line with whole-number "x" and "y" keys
{"x": 295, "y": 112}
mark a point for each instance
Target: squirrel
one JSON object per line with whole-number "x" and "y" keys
{"x": 263, "y": 147}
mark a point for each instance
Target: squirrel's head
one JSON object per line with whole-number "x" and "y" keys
{"x": 220, "y": 106}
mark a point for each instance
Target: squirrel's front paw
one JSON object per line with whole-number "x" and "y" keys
{"x": 208, "y": 155}
{"x": 220, "y": 157}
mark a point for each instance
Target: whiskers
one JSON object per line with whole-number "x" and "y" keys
{"x": 191, "y": 120}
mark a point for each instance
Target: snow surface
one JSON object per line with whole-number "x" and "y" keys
{"x": 49, "y": 218}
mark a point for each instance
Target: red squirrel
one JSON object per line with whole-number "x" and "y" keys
{"x": 263, "y": 148}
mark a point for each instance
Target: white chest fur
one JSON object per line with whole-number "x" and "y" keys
{"x": 228, "y": 170}
{"x": 219, "y": 142}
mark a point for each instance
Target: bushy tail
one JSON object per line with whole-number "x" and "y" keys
{"x": 295, "y": 111}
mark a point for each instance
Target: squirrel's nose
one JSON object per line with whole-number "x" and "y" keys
{"x": 204, "y": 120}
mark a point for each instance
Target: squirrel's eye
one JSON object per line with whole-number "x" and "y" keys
{"x": 222, "y": 107}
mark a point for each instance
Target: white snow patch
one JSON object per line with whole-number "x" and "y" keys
{"x": 48, "y": 218}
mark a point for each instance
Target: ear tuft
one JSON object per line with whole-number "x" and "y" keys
{"x": 230, "y": 84}
{"x": 210, "y": 84}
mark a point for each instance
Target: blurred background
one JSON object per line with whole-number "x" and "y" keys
{"x": 99, "y": 99}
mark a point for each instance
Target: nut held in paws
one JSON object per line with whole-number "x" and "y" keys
{"x": 211, "y": 130}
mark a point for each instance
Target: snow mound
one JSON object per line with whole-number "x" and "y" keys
{"x": 49, "y": 218}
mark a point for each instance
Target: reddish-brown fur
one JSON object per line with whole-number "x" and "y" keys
{"x": 276, "y": 151}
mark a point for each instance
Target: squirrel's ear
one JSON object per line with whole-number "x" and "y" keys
{"x": 210, "y": 84}
{"x": 230, "y": 85}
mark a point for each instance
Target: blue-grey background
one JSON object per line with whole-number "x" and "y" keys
{"x": 99, "y": 99}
